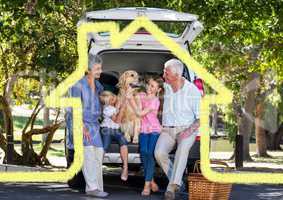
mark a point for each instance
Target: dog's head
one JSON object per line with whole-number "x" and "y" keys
{"x": 127, "y": 78}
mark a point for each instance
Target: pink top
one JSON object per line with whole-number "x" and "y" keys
{"x": 150, "y": 122}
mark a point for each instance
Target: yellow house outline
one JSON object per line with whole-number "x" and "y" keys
{"x": 117, "y": 38}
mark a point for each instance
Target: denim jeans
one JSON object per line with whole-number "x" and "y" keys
{"x": 109, "y": 134}
{"x": 147, "y": 142}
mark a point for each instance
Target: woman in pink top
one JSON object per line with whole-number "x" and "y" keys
{"x": 147, "y": 107}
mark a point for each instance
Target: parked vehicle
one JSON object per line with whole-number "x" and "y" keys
{"x": 142, "y": 53}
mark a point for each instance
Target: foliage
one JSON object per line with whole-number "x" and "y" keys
{"x": 39, "y": 40}
{"x": 230, "y": 124}
{"x": 26, "y": 91}
{"x": 240, "y": 37}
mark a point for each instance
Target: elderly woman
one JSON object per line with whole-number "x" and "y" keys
{"x": 89, "y": 89}
{"x": 180, "y": 121}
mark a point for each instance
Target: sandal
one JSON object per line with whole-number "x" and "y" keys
{"x": 146, "y": 191}
{"x": 154, "y": 186}
{"x": 124, "y": 175}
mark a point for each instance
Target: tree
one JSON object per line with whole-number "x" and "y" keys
{"x": 37, "y": 43}
{"x": 242, "y": 39}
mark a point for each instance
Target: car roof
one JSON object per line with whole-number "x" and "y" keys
{"x": 130, "y": 13}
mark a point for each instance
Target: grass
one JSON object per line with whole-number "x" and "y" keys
{"x": 56, "y": 150}
{"x": 275, "y": 159}
{"x": 223, "y": 145}
{"x": 259, "y": 164}
{"x": 20, "y": 122}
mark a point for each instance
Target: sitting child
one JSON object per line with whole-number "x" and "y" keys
{"x": 147, "y": 108}
{"x": 110, "y": 129}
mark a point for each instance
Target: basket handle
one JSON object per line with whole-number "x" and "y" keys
{"x": 196, "y": 167}
{"x": 197, "y": 163}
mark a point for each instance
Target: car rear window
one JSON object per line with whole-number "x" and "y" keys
{"x": 172, "y": 28}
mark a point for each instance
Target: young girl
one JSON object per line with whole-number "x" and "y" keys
{"x": 110, "y": 129}
{"x": 147, "y": 107}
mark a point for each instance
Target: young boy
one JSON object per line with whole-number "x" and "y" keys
{"x": 110, "y": 129}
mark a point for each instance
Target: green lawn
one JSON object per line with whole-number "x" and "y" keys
{"x": 20, "y": 122}
{"x": 223, "y": 145}
{"x": 55, "y": 150}
{"x": 217, "y": 144}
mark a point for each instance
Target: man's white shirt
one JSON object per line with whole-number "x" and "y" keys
{"x": 181, "y": 108}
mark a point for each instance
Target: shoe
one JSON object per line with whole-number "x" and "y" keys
{"x": 97, "y": 193}
{"x": 182, "y": 188}
{"x": 124, "y": 175}
{"x": 169, "y": 195}
{"x": 146, "y": 191}
{"x": 154, "y": 187}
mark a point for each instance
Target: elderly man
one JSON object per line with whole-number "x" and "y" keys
{"x": 180, "y": 121}
{"x": 89, "y": 89}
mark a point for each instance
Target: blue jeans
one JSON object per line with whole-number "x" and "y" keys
{"x": 147, "y": 144}
{"x": 109, "y": 134}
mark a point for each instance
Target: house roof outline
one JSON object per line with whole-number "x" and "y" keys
{"x": 117, "y": 38}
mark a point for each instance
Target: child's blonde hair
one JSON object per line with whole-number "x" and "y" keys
{"x": 105, "y": 97}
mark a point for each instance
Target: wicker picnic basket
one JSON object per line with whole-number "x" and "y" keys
{"x": 202, "y": 189}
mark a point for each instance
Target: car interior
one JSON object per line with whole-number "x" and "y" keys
{"x": 145, "y": 62}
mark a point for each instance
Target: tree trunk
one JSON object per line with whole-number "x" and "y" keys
{"x": 17, "y": 158}
{"x": 46, "y": 122}
{"x": 30, "y": 158}
{"x": 245, "y": 120}
{"x": 260, "y": 132}
{"x": 270, "y": 141}
{"x": 9, "y": 88}
{"x": 8, "y": 129}
{"x": 214, "y": 119}
{"x": 46, "y": 146}
{"x": 278, "y": 137}
{"x": 274, "y": 139}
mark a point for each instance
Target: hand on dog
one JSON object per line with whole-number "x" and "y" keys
{"x": 129, "y": 93}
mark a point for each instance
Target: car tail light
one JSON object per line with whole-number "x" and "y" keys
{"x": 199, "y": 83}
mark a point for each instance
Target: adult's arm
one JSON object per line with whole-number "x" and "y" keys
{"x": 189, "y": 131}
{"x": 120, "y": 106}
{"x": 76, "y": 91}
{"x": 137, "y": 107}
{"x": 195, "y": 106}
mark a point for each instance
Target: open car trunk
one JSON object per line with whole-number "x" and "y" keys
{"x": 181, "y": 27}
{"x": 139, "y": 60}
{"x": 145, "y": 62}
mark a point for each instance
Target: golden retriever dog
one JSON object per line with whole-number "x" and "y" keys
{"x": 130, "y": 124}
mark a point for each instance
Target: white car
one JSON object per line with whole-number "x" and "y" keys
{"x": 142, "y": 53}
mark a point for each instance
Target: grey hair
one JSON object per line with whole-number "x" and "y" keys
{"x": 92, "y": 60}
{"x": 175, "y": 65}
